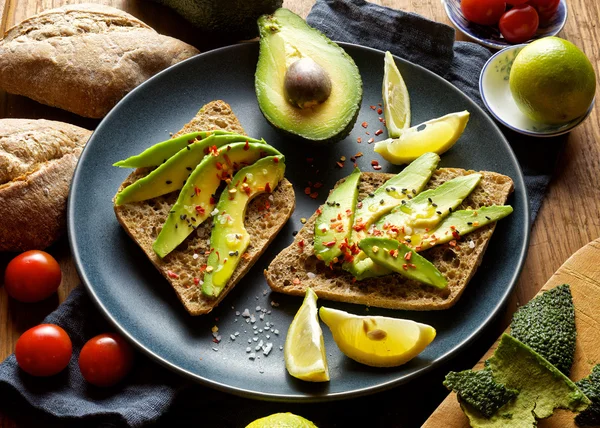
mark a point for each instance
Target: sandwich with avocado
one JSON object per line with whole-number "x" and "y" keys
{"x": 204, "y": 205}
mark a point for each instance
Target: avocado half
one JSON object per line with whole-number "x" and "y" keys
{"x": 284, "y": 39}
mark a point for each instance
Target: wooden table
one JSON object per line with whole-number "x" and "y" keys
{"x": 568, "y": 219}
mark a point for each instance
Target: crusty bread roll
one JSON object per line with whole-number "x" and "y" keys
{"x": 84, "y": 58}
{"x": 37, "y": 160}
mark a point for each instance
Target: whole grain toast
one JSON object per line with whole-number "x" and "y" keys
{"x": 265, "y": 216}
{"x": 297, "y": 267}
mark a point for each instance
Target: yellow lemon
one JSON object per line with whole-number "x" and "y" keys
{"x": 436, "y": 135}
{"x": 396, "y": 102}
{"x": 552, "y": 81}
{"x": 304, "y": 348}
{"x": 377, "y": 341}
{"x": 282, "y": 420}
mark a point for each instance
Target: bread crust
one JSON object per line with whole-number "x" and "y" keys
{"x": 84, "y": 58}
{"x": 265, "y": 216}
{"x": 37, "y": 160}
{"x": 289, "y": 272}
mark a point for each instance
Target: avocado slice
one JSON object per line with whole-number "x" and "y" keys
{"x": 334, "y": 223}
{"x": 401, "y": 187}
{"x": 284, "y": 39}
{"x": 160, "y": 152}
{"x": 229, "y": 239}
{"x": 397, "y": 257}
{"x": 172, "y": 174}
{"x": 196, "y": 200}
{"x": 458, "y": 224}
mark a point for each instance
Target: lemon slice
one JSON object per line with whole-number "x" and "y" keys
{"x": 377, "y": 341}
{"x": 396, "y": 102}
{"x": 282, "y": 420}
{"x": 436, "y": 135}
{"x": 304, "y": 349}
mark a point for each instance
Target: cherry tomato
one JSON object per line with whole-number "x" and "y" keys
{"x": 545, "y": 9}
{"x": 32, "y": 276}
{"x": 516, "y": 2}
{"x": 105, "y": 359}
{"x": 44, "y": 350}
{"x": 484, "y": 12}
{"x": 519, "y": 24}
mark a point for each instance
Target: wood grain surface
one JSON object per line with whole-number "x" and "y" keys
{"x": 568, "y": 219}
{"x": 582, "y": 272}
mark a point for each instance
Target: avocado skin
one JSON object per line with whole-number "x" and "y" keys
{"x": 233, "y": 19}
{"x": 590, "y": 386}
{"x": 547, "y": 325}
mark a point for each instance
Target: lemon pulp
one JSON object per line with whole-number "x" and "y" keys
{"x": 282, "y": 420}
{"x": 396, "y": 102}
{"x": 377, "y": 341}
{"x": 436, "y": 135}
{"x": 304, "y": 349}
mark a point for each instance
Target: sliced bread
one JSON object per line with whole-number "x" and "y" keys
{"x": 297, "y": 267}
{"x": 265, "y": 216}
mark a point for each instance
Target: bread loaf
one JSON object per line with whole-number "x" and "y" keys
{"x": 84, "y": 58}
{"x": 37, "y": 160}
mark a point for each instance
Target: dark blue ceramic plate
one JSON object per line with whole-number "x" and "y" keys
{"x": 490, "y": 35}
{"x": 142, "y": 305}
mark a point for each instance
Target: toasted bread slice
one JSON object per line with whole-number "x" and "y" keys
{"x": 297, "y": 267}
{"x": 143, "y": 222}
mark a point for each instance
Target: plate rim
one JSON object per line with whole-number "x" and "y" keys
{"x": 299, "y": 397}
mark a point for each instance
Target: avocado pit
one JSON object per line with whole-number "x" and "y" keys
{"x": 306, "y": 84}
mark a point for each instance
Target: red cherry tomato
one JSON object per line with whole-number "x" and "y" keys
{"x": 44, "y": 350}
{"x": 484, "y": 12}
{"x": 545, "y": 9}
{"x": 32, "y": 276}
{"x": 105, "y": 359}
{"x": 516, "y": 2}
{"x": 519, "y": 24}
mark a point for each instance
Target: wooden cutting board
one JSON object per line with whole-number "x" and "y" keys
{"x": 582, "y": 272}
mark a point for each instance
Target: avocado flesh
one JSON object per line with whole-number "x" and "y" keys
{"x": 160, "y": 152}
{"x": 285, "y": 38}
{"x": 394, "y": 256}
{"x": 541, "y": 386}
{"x": 196, "y": 200}
{"x": 418, "y": 211}
{"x": 172, "y": 174}
{"x": 458, "y": 224}
{"x": 334, "y": 224}
{"x": 398, "y": 188}
{"x": 229, "y": 238}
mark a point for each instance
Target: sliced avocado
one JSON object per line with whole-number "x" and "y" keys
{"x": 160, "y": 152}
{"x": 196, "y": 200}
{"x": 334, "y": 223}
{"x": 281, "y": 84}
{"x": 458, "y": 224}
{"x": 229, "y": 239}
{"x": 397, "y": 257}
{"x": 172, "y": 174}
{"x": 401, "y": 187}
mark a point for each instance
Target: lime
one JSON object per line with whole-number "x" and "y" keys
{"x": 282, "y": 420}
{"x": 377, "y": 341}
{"x": 552, "y": 81}
{"x": 304, "y": 348}
{"x": 436, "y": 135}
{"x": 396, "y": 103}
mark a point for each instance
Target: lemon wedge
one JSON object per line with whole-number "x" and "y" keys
{"x": 396, "y": 102}
{"x": 436, "y": 135}
{"x": 282, "y": 420}
{"x": 377, "y": 341}
{"x": 304, "y": 349}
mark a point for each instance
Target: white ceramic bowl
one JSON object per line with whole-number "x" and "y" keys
{"x": 496, "y": 95}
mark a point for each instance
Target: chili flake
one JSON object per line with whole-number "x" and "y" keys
{"x": 371, "y": 140}
{"x": 379, "y": 132}
{"x": 364, "y": 124}
{"x": 359, "y": 140}
{"x": 172, "y": 274}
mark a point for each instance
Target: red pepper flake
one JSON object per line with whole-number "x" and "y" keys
{"x": 339, "y": 216}
{"x": 213, "y": 150}
{"x": 378, "y": 132}
{"x": 394, "y": 253}
{"x": 379, "y": 111}
{"x": 219, "y": 166}
{"x": 267, "y": 205}
{"x": 368, "y": 133}
{"x": 200, "y": 210}
{"x": 268, "y": 188}
{"x": 196, "y": 190}
{"x": 318, "y": 185}
{"x": 247, "y": 190}
{"x": 307, "y": 190}
{"x": 296, "y": 281}
{"x": 371, "y": 140}
{"x": 359, "y": 226}
{"x": 407, "y": 256}
{"x": 359, "y": 154}
{"x": 196, "y": 281}
{"x": 373, "y": 107}
{"x": 379, "y": 104}
{"x": 301, "y": 243}
{"x": 340, "y": 164}
{"x": 405, "y": 266}
{"x": 213, "y": 200}
{"x": 359, "y": 140}
{"x": 276, "y": 159}
{"x": 412, "y": 266}
{"x": 329, "y": 244}
{"x": 314, "y": 195}
{"x": 247, "y": 145}
{"x": 452, "y": 243}
{"x": 355, "y": 165}
{"x": 364, "y": 124}
{"x": 246, "y": 256}
{"x": 374, "y": 162}
{"x": 380, "y": 119}
{"x": 227, "y": 160}
{"x": 418, "y": 248}
{"x": 319, "y": 210}
{"x": 172, "y": 274}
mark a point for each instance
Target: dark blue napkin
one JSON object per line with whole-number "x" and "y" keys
{"x": 150, "y": 390}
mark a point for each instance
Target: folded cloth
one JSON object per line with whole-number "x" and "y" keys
{"x": 150, "y": 390}
{"x": 431, "y": 45}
